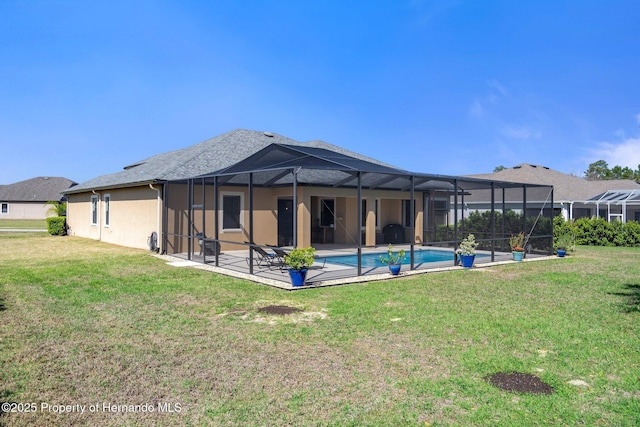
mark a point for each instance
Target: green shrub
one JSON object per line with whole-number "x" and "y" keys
{"x": 599, "y": 232}
{"x": 56, "y": 225}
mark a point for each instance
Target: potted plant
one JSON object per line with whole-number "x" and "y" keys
{"x": 298, "y": 262}
{"x": 394, "y": 260}
{"x": 467, "y": 251}
{"x": 564, "y": 242}
{"x": 517, "y": 246}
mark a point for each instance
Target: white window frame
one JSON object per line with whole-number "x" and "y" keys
{"x": 106, "y": 201}
{"x": 2, "y": 205}
{"x": 95, "y": 209}
{"x": 222, "y": 196}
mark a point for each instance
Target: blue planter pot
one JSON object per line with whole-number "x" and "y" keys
{"x": 467, "y": 260}
{"x": 562, "y": 253}
{"x": 517, "y": 255}
{"x": 395, "y": 268}
{"x": 298, "y": 276}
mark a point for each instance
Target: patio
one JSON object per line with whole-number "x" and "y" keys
{"x": 292, "y": 196}
{"x": 235, "y": 264}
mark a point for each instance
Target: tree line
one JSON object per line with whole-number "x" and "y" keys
{"x": 600, "y": 170}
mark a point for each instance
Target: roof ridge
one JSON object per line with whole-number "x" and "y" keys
{"x": 219, "y": 138}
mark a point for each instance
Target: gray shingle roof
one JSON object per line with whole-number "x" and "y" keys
{"x": 566, "y": 187}
{"x": 203, "y": 158}
{"x": 39, "y": 189}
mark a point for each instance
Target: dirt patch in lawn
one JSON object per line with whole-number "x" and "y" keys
{"x": 520, "y": 383}
{"x": 281, "y": 310}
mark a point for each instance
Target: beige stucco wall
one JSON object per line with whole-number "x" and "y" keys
{"x": 136, "y": 212}
{"x": 134, "y": 215}
{"x": 26, "y": 210}
{"x": 79, "y": 216}
{"x": 265, "y": 217}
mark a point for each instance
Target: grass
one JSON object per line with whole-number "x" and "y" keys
{"x": 39, "y": 224}
{"x": 84, "y": 322}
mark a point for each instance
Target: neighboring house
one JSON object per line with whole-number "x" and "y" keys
{"x": 28, "y": 199}
{"x": 576, "y": 197}
{"x": 262, "y": 187}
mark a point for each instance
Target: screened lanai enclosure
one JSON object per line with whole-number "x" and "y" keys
{"x": 350, "y": 210}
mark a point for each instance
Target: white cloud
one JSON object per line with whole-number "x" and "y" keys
{"x": 496, "y": 90}
{"x": 476, "y": 109}
{"x": 479, "y": 106}
{"x": 624, "y": 153}
{"x": 520, "y": 133}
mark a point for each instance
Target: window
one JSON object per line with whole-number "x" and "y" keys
{"x": 107, "y": 202}
{"x": 440, "y": 212}
{"x": 581, "y": 213}
{"x": 94, "y": 210}
{"x": 5, "y": 208}
{"x": 232, "y": 206}
{"x": 327, "y": 209}
{"x": 406, "y": 213}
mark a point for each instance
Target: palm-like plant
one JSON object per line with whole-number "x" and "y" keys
{"x": 57, "y": 208}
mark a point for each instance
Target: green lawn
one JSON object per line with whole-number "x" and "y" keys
{"x": 85, "y": 323}
{"x": 40, "y": 224}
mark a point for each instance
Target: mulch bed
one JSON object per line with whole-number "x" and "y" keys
{"x": 281, "y": 310}
{"x": 520, "y": 383}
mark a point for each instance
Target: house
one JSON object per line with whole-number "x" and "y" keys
{"x": 575, "y": 197}
{"x": 28, "y": 199}
{"x": 124, "y": 208}
{"x": 260, "y": 187}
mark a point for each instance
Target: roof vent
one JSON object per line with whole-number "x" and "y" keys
{"x": 269, "y": 134}
{"x": 517, "y": 167}
{"x": 533, "y": 166}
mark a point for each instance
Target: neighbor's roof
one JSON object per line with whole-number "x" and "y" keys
{"x": 565, "y": 187}
{"x": 203, "y": 158}
{"x": 39, "y": 189}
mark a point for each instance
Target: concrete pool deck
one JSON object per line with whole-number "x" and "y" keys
{"x": 235, "y": 264}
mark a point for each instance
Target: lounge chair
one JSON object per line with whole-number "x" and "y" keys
{"x": 209, "y": 247}
{"x": 282, "y": 253}
{"x": 265, "y": 259}
{"x": 279, "y": 253}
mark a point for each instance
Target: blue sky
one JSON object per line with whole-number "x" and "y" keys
{"x": 448, "y": 87}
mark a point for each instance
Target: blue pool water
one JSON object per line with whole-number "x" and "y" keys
{"x": 373, "y": 259}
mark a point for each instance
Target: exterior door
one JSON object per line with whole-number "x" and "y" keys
{"x": 285, "y": 222}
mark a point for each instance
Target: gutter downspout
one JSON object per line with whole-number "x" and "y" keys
{"x": 571, "y": 210}
{"x": 158, "y": 216}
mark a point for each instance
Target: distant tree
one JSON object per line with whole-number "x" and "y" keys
{"x": 499, "y": 168}
{"x": 618, "y": 172}
{"x": 597, "y": 171}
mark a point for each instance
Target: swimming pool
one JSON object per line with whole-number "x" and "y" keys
{"x": 373, "y": 259}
